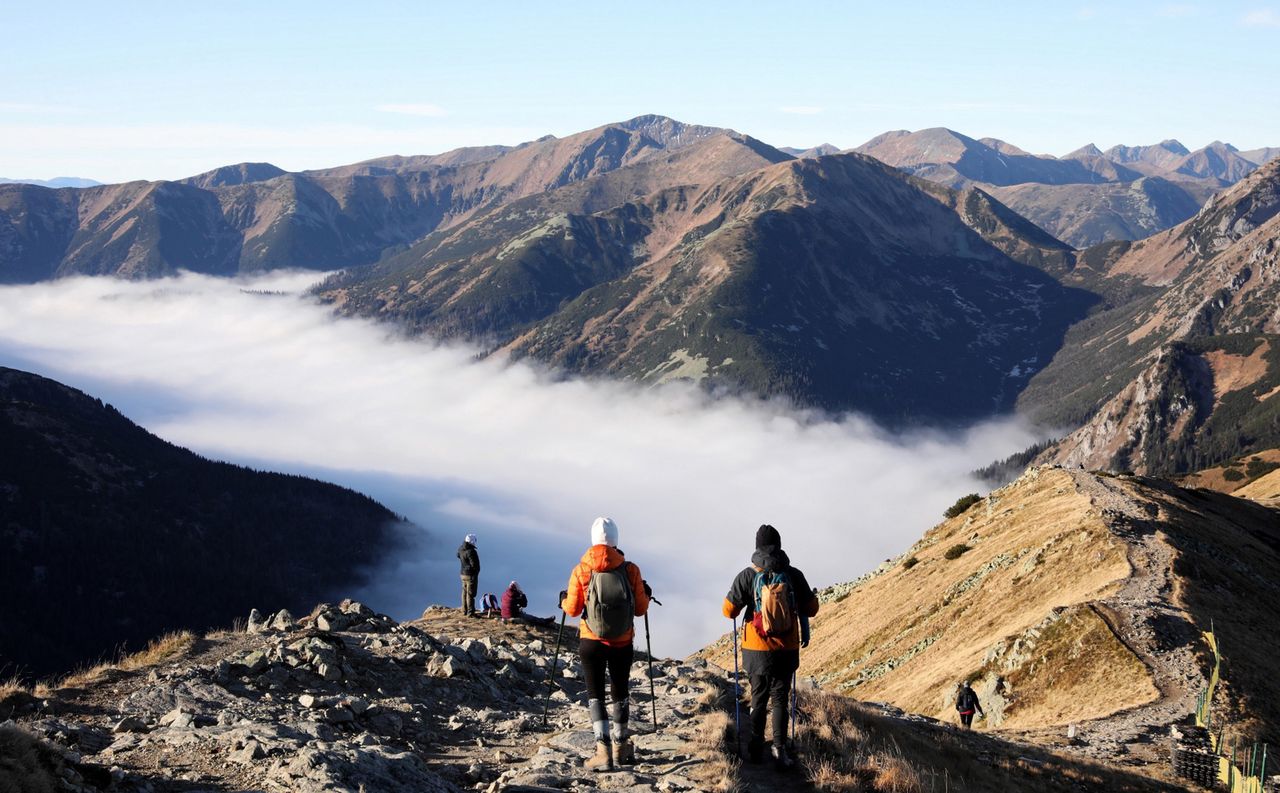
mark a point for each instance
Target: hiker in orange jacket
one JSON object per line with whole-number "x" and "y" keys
{"x": 770, "y": 660}
{"x": 609, "y": 592}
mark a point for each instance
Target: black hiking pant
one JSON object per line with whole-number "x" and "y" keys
{"x": 769, "y": 694}
{"x": 770, "y": 674}
{"x": 967, "y": 719}
{"x": 597, "y": 657}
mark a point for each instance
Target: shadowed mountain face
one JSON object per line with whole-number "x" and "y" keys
{"x": 113, "y": 536}
{"x": 252, "y": 217}
{"x": 1086, "y": 197}
{"x": 836, "y": 281}
{"x": 1177, "y": 376}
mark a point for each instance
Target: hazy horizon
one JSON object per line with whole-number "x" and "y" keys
{"x": 126, "y": 95}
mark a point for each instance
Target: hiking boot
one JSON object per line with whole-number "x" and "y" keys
{"x": 603, "y": 759}
{"x": 781, "y": 760}
{"x": 624, "y": 752}
{"x": 755, "y": 750}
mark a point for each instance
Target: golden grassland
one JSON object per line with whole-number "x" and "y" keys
{"x": 1034, "y": 547}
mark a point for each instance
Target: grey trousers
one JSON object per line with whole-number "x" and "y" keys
{"x": 468, "y": 594}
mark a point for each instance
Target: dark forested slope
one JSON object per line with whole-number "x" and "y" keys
{"x": 111, "y": 535}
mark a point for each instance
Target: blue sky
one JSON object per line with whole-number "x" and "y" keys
{"x": 118, "y": 91}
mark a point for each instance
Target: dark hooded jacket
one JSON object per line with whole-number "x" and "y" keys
{"x": 967, "y": 701}
{"x": 470, "y": 559}
{"x": 742, "y": 599}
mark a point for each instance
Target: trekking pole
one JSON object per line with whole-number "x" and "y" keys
{"x": 737, "y": 694}
{"x": 648, "y": 648}
{"x": 653, "y": 697}
{"x": 552, "y": 670}
{"x": 795, "y": 681}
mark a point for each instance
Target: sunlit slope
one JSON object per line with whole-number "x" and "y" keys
{"x": 1072, "y": 598}
{"x": 1037, "y": 550}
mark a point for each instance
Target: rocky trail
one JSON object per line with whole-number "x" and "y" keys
{"x": 348, "y": 699}
{"x": 1145, "y": 618}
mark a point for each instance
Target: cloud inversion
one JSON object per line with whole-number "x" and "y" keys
{"x": 238, "y": 371}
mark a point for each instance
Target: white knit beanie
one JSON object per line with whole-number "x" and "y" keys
{"x": 604, "y": 532}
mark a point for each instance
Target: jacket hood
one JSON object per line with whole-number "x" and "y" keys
{"x": 599, "y": 558}
{"x": 771, "y": 559}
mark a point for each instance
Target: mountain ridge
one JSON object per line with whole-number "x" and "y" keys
{"x": 114, "y": 536}
{"x": 629, "y": 290}
{"x": 1085, "y": 197}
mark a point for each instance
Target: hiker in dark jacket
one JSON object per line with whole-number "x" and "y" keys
{"x": 770, "y": 661}
{"x": 598, "y": 654}
{"x": 470, "y": 560}
{"x": 966, "y": 703}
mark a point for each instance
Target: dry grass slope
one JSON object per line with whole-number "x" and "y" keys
{"x": 1007, "y": 607}
{"x": 847, "y": 747}
{"x": 168, "y": 647}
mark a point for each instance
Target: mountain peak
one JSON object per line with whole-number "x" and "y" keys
{"x": 240, "y": 173}
{"x": 1087, "y": 150}
{"x": 666, "y": 132}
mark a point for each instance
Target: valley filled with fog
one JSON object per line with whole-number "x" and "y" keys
{"x": 255, "y": 372}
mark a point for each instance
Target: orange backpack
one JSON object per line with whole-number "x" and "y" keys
{"x": 775, "y": 615}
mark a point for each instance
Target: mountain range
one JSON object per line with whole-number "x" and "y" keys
{"x": 656, "y": 250}
{"x": 113, "y": 536}
{"x": 1182, "y": 372}
{"x": 806, "y": 278}
{"x": 57, "y": 181}
{"x": 1086, "y": 197}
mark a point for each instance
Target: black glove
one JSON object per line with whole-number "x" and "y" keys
{"x": 804, "y": 644}
{"x": 564, "y": 593}
{"x": 648, "y": 591}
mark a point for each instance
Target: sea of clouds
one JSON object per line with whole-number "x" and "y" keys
{"x": 255, "y": 372}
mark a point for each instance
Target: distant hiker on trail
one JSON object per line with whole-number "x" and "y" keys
{"x": 609, "y": 593}
{"x": 470, "y": 574}
{"x": 775, "y": 597}
{"x": 489, "y": 606}
{"x": 513, "y": 602}
{"x": 966, "y": 703}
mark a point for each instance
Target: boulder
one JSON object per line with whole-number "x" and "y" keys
{"x": 252, "y": 750}
{"x": 337, "y": 715}
{"x": 130, "y": 724}
{"x": 255, "y": 661}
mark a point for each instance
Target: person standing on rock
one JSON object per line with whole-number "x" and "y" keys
{"x": 609, "y": 593}
{"x": 966, "y": 703}
{"x": 470, "y": 560}
{"x": 775, "y": 596}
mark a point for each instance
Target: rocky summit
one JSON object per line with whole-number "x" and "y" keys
{"x": 347, "y": 699}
